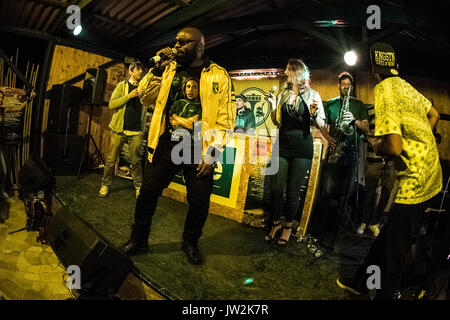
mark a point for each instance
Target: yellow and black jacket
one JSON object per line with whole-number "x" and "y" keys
{"x": 216, "y": 97}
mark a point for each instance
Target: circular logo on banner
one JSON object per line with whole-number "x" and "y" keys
{"x": 260, "y": 106}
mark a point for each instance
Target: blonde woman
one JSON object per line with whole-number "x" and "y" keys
{"x": 294, "y": 110}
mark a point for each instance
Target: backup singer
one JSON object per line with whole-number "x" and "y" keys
{"x": 163, "y": 86}
{"x": 127, "y": 124}
{"x": 294, "y": 109}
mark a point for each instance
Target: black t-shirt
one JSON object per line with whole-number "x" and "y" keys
{"x": 176, "y": 89}
{"x": 133, "y": 112}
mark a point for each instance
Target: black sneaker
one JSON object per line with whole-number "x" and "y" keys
{"x": 348, "y": 285}
{"x": 192, "y": 252}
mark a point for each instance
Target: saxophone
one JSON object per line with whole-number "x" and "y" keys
{"x": 342, "y": 129}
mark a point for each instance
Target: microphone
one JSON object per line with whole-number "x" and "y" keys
{"x": 153, "y": 60}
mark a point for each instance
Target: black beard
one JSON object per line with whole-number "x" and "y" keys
{"x": 187, "y": 59}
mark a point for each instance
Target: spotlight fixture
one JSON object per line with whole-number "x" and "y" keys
{"x": 77, "y": 30}
{"x": 350, "y": 58}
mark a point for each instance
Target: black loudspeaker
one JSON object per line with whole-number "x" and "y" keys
{"x": 35, "y": 175}
{"x": 64, "y": 108}
{"x": 63, "y": 153}
{"x": 94, "y": 85}
{"x": 102, "y": 267}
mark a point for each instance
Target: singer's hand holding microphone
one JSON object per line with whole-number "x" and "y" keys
{"x": 162, "y": 58}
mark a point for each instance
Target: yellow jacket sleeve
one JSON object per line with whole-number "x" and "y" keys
{"x": 119, "y": 97}
{"x": 148, "y": 89}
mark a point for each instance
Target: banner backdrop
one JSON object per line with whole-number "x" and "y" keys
{"x": 240, "y": 192}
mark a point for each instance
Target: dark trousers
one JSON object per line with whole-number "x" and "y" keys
{"x": 157, "y": 176}
{"x": 290, "y": 177}
{"x": 390, "y": 249}
{"x": 377, "y": 174}
{"x": 338, "y": 179}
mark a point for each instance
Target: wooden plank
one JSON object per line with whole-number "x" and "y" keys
{"x": 15, "y": 70}
{"x": 313, "y": 189}
{"x": 68, "y": 64}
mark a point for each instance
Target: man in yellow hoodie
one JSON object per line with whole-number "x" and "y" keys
{"x": 162, "y": 86}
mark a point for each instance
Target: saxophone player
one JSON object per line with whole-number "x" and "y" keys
{"x": 347, "y": 119}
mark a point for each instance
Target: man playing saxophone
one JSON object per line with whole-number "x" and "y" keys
{"x": 347, "y": 119}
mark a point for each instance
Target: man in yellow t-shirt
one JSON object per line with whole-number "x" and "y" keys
{"x": 404, "y": 121}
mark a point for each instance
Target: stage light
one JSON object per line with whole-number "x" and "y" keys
{"x": 77, "y": 30}
{"x": 350, "y": 58}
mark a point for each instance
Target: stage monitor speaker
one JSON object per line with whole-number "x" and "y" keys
{"x": 102, "y": 267}
{"x": 94, "y": 85}
{"x": 63, "y": 153}
{"x": 64, "y": 108}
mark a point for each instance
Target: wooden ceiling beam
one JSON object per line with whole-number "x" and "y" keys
{"x": 74, "y": 43}
{"x": 172, "y": 21}
{"x": 52, "y": 3}
{"x": 114, "y": 22}
{"x": 178, "y": 3}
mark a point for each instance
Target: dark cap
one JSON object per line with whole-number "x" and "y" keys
{"x": 242, "y": 97}
{"x": 383, "y": 59}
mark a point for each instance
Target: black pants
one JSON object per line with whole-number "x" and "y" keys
{"x": 337, "y": 185}
{"x": 338, "y": 180}
{"x": 157, "y": 176}
{"x": 290, "y": 177}
{"x": 390, "y": 249}
{"x": 377, "y": 174}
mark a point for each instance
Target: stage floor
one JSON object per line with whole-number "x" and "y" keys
{"x": 238, "y": 263}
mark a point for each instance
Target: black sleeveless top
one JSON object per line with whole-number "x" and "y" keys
{"x": 294, "y": 137}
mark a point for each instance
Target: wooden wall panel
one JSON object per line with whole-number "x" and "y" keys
{"x": 325, "y": 82}
{"x": 68, "y": 63}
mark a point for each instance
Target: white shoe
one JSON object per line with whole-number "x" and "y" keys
{"x": 103, "y": 191}
{"x": 361, "y": 228}
{"x": 138, "y": 191}
{"x": 375, "y": 230}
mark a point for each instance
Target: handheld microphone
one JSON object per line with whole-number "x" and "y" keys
{"x": 153, "y": 60}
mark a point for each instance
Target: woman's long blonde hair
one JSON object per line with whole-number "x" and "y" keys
{"x": 302, "y": 74}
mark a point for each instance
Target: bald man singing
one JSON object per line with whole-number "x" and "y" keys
{"x": 162, "y": 86}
